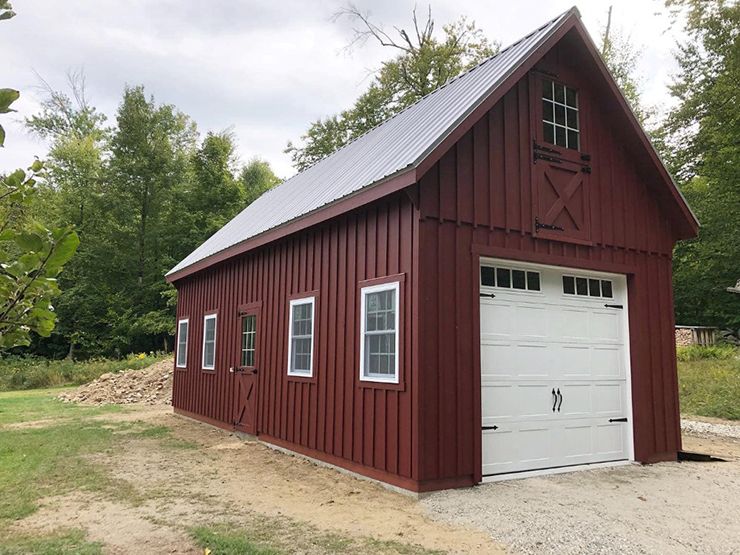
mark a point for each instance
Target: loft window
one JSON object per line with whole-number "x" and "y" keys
{"x": 379, "y": 339}
{"x": 300, "y": 337}
{"x": 560, "y": 118}
{"x": 507, "y": 278}
{"x": 249, "y": 332}
{"x": 182, "y": 343}
{"x": 209, "y": 342}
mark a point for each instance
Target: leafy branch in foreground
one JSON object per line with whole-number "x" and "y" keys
{"x": 31, "y": 257}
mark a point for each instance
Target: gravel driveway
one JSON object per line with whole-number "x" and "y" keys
{"x": 672, "y": 508}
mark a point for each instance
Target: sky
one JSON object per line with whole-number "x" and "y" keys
{"x": 264, "y": 69}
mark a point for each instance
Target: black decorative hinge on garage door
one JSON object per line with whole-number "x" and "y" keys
{"x": 490, "y": 427}
{"x": 619, "y": 306}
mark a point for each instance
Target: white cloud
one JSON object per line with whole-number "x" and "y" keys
{"x": 264, "y": 68}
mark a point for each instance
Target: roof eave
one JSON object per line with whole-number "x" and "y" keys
{"x": 389, "y": 185}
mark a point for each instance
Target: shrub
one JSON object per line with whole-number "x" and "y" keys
{"x": 700, "y": 352}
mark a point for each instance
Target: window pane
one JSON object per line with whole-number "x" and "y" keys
{"x": 518, "y": 280}
{"x": 582, "y": 286}
{"x": 569, "y": 285}
{"x": 559, "y": 93}
{"x": 503, "y": 277}
{"x": 571, "y": 99}
{"x": 380, "y": 358}
{"x": 573, "y": 139}
{"x": 594, "y": 288}
{"x": 546, "y": 88}
{"x": 572, "y": 118}
{"x": 547, "y": 113}
{"x": 549, "y": 133}
{"x": 487, "y": 276}
{"x": 606, "y": 288}
{"x": 210, "y": 329}
{"x": 209, "y": 354}
{"x": 560, "y": 136}
{"x": 559, "y": 115}
{"x": 533, "y": 281}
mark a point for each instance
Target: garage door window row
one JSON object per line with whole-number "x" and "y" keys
{"x": 587, "y": 287}
{"x": 509, "y": 278}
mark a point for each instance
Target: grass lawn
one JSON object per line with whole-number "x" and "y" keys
{"x": 709, "y": 382}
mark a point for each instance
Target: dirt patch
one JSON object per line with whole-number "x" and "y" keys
{"x": 205, "y": 475}
{"x": 119, "y": 528}
{"x": 149, "y": 386}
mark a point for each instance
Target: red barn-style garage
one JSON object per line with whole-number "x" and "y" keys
{"x": 477, "y": 288}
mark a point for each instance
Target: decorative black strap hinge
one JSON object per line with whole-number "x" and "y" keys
{"x": 551, "y": 227}
{"x": 490, "y": 427}
{"x": 546, "y": 158}
{"x": 624, "y": 419}
{"x": 619, "y": 306}
{"x": 488, "y": 295}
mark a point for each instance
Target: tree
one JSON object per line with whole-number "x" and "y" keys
{"x": 621, "y": 58}
{"x": 423, "y": 63}
{"x": 31, "y": 255}
{"x": 76, "y": 175}
{"x": 257, "y": 178}
{"x": 704, "y": 154}
{"x": 215, "y": 195}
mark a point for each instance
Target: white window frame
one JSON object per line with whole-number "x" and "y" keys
{"x": 182, "y": 363}
{"x": 293, "y": 302}
{"x": 390, "y": 286}
{"x": 207, "y": 317}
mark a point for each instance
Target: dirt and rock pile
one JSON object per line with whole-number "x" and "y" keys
{"x": 149, "y": 386}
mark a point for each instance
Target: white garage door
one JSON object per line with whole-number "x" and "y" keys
{"x": 555, "y": 367}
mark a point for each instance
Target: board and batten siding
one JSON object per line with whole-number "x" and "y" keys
{"x": 477, "y": 201}
{"x": 334, "y": 416}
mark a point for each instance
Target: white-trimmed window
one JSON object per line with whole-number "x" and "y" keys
{"x": 300, "y": 337}
{"x": 379, "y": 333}
{"x": 182, "y": 343}
{"x": 209, "y": 342}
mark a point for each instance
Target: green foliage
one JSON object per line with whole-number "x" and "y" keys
{"x": 703, "y": 152}
{"x": 143, "y": 194}
{"x": 30, "y": 372}
{"x": 692, "y": 353}
{"x": 31, "y": 257}
{"x": 423, "y": 63}
{"x": 224, "y": 540}
{"x": 7, "y": 96}
{"x": 710, "y": 386}
{"x": 257, "y": 178}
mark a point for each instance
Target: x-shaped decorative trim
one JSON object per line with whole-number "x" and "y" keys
{"x": 565, "y": 195}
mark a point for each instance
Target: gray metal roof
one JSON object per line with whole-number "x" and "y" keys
{"x": 399, "y": 143}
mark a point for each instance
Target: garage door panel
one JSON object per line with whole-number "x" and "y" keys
{"x": 611, "y": 440}
{"x": 577, "y": 442}
{"x": 496, "y": 319}
{"x": 516, "y": 401}
{"x": 531, "y": 321}
{"x": 605, "y": 326}
{"x": 515, "y": 360}
{"x": 609, "y": 399}
{"x": 573, "y": 361}
{"x": 535, "y": 342}
{"x": 576, "y": 400}
{"x": 573, "y": 323}
{"x": 606, "y": 362}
